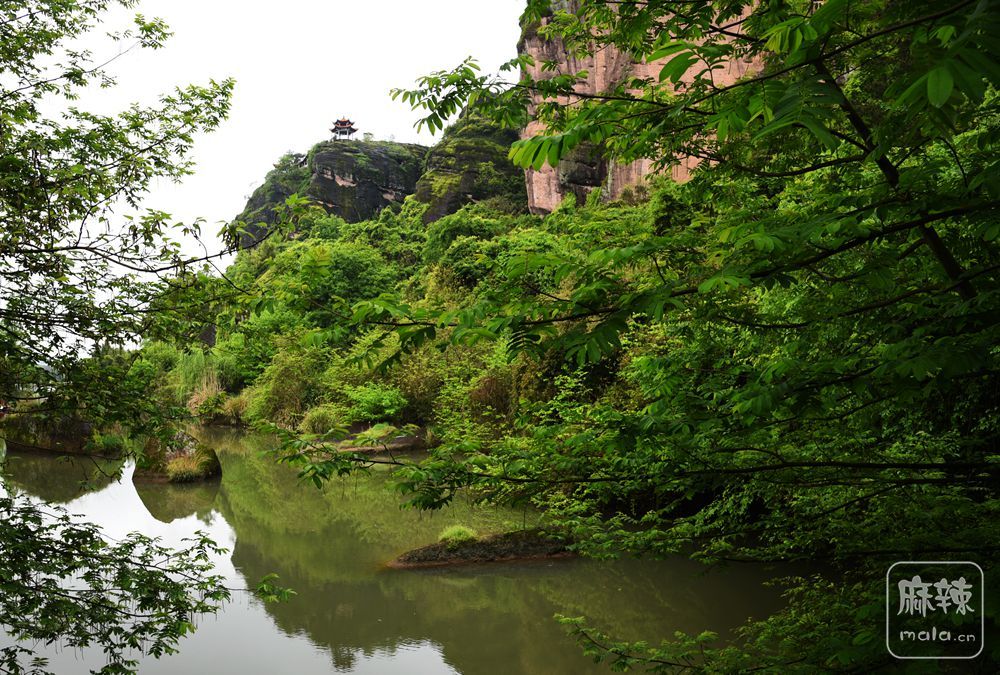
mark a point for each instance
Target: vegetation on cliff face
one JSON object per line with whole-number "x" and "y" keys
{"x": 470, "y": 164}
{"x": 354, "y": 180}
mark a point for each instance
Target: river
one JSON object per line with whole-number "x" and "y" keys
{"x": 351, "y": 614}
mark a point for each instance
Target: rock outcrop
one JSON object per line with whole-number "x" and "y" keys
{"x": 587, "y": 167}
{"x": 357, "y": 179}
{"x": 469, "y": 165}
{"x": 351, "y": 179}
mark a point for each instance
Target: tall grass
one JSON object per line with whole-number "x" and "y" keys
{"x": 193, "y": 372}
{"x": 206, "y": 397}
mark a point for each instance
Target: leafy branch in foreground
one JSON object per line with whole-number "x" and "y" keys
{"x": 76, "y": 282}
{"x": 790, "y": 357}
{"x": 62, "y": 581}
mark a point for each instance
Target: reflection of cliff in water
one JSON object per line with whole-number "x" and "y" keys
{"x": 57, "y": 479}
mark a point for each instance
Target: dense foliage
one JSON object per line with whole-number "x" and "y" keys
{"x": 790, "y": 357}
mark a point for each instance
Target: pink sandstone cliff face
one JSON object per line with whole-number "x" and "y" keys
{"x": 586, "y": 169}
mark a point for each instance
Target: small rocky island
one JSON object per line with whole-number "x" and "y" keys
{"x": 180, "y": 459}
{"x": 465, "y": 547}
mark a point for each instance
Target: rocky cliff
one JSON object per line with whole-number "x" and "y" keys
{"x": 469, "y": 165}
{"x": 588, "y": 168}
{"x": 357, "y": 179}
{"x": 352, "y": 179}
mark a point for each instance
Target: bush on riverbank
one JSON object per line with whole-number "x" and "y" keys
{"x": 322, "y": 419}
{"x": 455, "y": 535}
{"x": 110, "y": 444}
{"x": 201, "y": 464}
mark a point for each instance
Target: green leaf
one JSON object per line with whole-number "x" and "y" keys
{"x": 675, "y": 68}
{"x": 939, "y": 86}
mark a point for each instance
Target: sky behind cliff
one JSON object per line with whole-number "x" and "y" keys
{"x": 298, "y": 64}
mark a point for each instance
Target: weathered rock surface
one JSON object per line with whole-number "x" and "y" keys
{"x": 469, "y": 165}
{"x": 357, "y": 179}
{"x": 587, "y": 168}
{"x": 351, "y": 179}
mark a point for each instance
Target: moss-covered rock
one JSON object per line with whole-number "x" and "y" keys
{"x": 181, "y": 459}
{"x": 469, "y": 165}
{"x": 357, "y": 179}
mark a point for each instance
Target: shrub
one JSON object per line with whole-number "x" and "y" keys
{"x": 492, "y": 394}
{"x": 245, "y": 347}
{"x": 233, "y": 374}
{"x": 374, "y": 402}
{"x": 288, "y": 387}
{"x": 184, "y": 469}
{"x": 201, "y": 463}
{"x": 455, "y": 535}
{"x": 109, "y": 444}
{"x": 162, "y": 355}
{"x": 323, "y": 272}
{"x": 323, "y": 419}
{"x": 206, "y": 399}
{"x": 469, "y": 259}
{"x": 190, "y": 372}
{"x": 468, "y": 222}
{"x": 208, "y": 461}
{"x": 234, "y": 409}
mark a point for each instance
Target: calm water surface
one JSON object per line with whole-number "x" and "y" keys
{"x": 353, "y": 616}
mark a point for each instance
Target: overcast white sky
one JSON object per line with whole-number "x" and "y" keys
{"x": 298, "y": 65}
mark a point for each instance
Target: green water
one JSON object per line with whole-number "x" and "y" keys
{"x": 351, "y": 615}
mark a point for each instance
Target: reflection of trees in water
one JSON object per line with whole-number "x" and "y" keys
{"x": 329, "y": 545}
{"x": 258, "y": 494}
{"x": 483, "y": 623}
{"x": 57, "y": 479}
{"x": 648, "y": 600}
